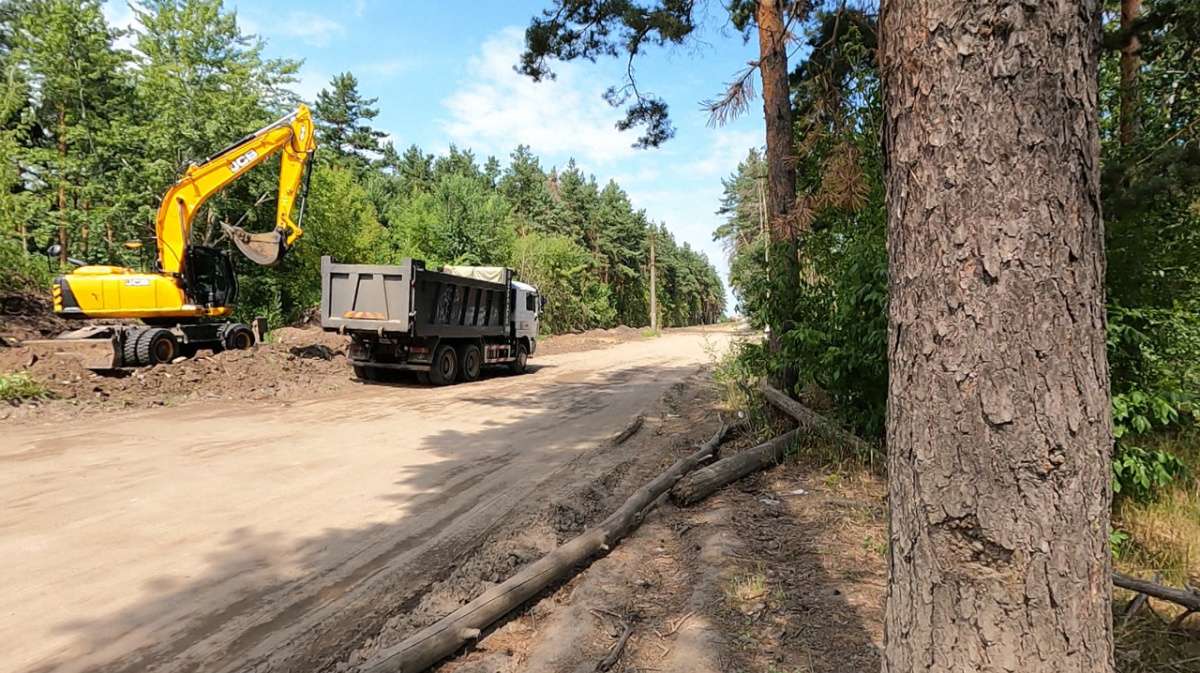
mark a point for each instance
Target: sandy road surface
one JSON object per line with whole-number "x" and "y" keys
{"x": 204, "y": 537}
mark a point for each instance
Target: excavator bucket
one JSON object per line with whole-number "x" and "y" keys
{"x": 265, "y": 249}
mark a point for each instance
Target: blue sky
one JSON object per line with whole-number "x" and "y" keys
{"x": 442, "y": 72}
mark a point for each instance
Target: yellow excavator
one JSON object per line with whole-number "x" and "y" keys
{"x": 192, "y": 286}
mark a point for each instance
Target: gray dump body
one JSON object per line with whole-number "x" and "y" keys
{"x": 410, "y": 299}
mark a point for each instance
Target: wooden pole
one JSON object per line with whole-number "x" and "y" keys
{"x": 653, "y": 287}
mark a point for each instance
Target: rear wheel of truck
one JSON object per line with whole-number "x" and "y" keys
{"x": 157, "y": 346}
{"x": 445, "y": 366}
{"x": 423, "y": 378}
{"x": 517, "y": 366}
{"x": 364, "y": 373}
{"x": 470, "y": 361}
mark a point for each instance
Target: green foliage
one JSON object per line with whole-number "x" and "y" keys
{"x": 1140, "y": 473}
{"x": 91, "y": 136}
{"x": 837, "y": 309}
{"x": 22, "y": 387}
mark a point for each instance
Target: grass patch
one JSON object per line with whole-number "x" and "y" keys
{"x": 23, "y": 387}
{"x": 1161, "y": 535}
{"x": 650, "y": 333}
{"x": 1164, "y": 532}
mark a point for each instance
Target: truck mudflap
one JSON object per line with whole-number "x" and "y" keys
{"x": 95, "y": 347}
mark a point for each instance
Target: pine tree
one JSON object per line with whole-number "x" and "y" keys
{"x": 342, "y": 116}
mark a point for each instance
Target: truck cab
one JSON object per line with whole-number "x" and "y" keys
{"x": 527, "y": 311}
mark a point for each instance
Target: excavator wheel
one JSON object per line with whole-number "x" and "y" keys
{"x": 236, "y": 336}
{"x": 129, "y": 353}
{"x": 157, "y": 346}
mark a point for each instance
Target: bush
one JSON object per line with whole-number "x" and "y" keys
{"x": 22, "y": 387}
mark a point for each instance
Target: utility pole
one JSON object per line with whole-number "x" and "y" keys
{"x": 653, "y": 288}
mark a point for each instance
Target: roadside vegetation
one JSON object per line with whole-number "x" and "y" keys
{"x": 837, "y": 336}
{"x": 23, "y": 387}
{"x": 96, "y": 122}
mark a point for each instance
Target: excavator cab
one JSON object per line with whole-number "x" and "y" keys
{"x": 211, "y": 282}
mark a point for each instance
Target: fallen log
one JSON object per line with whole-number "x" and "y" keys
{"x": 1189, "y": 599}
{"x": 443, "y": 638}
{"x": 703, "y": 482}
{"x": 817, "y": 423}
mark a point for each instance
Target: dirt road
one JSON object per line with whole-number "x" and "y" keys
{"x": 204, "y": 537}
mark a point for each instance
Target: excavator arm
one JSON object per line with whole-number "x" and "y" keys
{"x": 293, "y": 136}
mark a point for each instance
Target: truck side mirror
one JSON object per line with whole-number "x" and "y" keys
{"x": 541, "y": 303}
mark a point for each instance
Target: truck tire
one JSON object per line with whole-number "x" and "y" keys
{"x": 157, "y": 346}
{"x": 129, "y": 354}
{"x": 364, "y": 373}
{"x": 445, "y": 366}
{"x": 423, "y": 378}
{"x": 518, "y": 365}
{"x": 470, "y": 362}
{"x": 235, "y": 337}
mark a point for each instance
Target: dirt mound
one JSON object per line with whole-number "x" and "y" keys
{"x": 296, "y": 362}
{"x": 587, "y": 341}
{"x": 28, "y": 315}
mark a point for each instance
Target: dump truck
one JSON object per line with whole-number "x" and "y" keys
{"x": 445, "y": 325}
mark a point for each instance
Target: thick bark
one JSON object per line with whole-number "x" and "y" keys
{"x": 1130, "y": 63}
{"x": 999, "y": 434}
{"x": 781, "y": 169}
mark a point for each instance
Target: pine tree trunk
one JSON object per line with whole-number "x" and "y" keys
{"x": 1130, "y": 64}
{"x": 781, "y": 170}
{"x": 62, "y": 185}
{"x": 999, "y": 431}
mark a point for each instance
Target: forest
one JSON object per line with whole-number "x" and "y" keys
{"x": 96, "y": 123}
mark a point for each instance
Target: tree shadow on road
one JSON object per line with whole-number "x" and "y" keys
{"x": 308, "y": 600}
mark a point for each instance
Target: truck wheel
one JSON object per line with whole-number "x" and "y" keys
{"x": 445, "y": 366}
{"x": 364, "y": 373}
{"x": 469, "y": 363}
{"x": 235, "y": 337}
{"x": 517, "y": 366}
{"x": 423, "y": 378}
{"x": 157, "y": 346}
{"x": 129, "y": 354}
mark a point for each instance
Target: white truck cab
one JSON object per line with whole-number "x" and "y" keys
{"x": 527, "y": 313}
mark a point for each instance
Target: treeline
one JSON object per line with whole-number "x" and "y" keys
{"x": 91, "y": 135}
{"x": 1150, "y": 188}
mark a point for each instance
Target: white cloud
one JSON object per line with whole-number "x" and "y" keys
{"x": 728, "y": 149}
{"x": 120, "y": 15}
{"x": 313, "y": 29}
{"x": 498, "y": 108}
{"x": 359, "y": 7}
{"x": 309, "y": 84}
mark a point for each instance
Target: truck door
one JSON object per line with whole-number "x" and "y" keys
{"x": 525, "y": 314}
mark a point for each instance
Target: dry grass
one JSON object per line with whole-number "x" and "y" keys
{"x": 1164, "y": 537}
{"x": 1165, "y": 534}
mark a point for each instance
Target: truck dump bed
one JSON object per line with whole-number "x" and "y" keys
{"x": 411, "y": 299}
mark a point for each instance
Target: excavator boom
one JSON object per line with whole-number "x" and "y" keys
{"x": 293, "y": 137}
